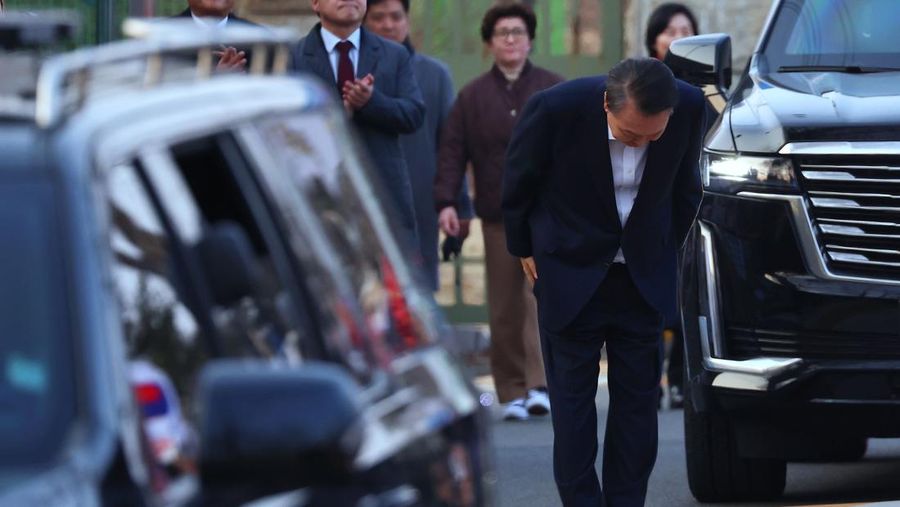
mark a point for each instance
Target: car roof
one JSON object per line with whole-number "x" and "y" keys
{"x": 117, "y": 127}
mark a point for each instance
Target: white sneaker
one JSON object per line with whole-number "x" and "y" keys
{"x": 515, "y": 411}
{"x": 538, "y": 403}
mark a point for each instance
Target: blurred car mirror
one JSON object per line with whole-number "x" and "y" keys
{"x": 268, "y": 428}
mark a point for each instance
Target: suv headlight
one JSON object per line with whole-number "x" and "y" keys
{"x": 731, "y": 173}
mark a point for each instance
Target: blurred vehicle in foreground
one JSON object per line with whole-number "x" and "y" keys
{"x": 203, "y": 300}
{"x": 791, "y": 277}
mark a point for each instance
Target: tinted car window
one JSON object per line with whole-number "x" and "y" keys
{"x": 836, "y": 32}
{"x": 202, "y": 191}
{"x": 37, "y": 394}
{"x": 314, "y": 162}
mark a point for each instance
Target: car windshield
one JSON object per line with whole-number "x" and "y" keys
{"x": 845, "y": 35}
{"x": 37, "y": 393}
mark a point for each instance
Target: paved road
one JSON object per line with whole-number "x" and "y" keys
{"x": 525, "y": 477}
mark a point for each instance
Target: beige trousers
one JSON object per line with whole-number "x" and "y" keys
{"x": 516, "y": 361}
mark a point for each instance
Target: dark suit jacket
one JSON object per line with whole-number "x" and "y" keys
{"x": 559, "y": 202}
{"x": 396, "y": 107}
{"x": 420, "y": 151}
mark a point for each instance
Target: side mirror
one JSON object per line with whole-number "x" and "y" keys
{"x": 266, "y": 428}
{"x": 702, "y": 60}
{"x": 227, "y": 259}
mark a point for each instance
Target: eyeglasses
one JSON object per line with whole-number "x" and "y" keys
{"x": 515, "y": 33}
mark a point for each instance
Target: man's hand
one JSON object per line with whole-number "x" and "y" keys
{"x": 230, "y": 59}
{"x": 449, "y": 221}
{"x": 358, "y": 93}
{"x": 529, "y": 268}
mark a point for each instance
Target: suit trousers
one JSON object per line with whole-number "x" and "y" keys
{"x": 619, "y": 317}
{"x": 512, "y": 311}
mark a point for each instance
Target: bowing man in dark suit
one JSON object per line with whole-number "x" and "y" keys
{"x": 218, "y": 14}
{"x": 374, "y": 79}
{"x": 601, "y": 187}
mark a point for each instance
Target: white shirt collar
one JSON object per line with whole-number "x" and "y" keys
{"x": 208, "y": 22}
{"x": 331, "y": 40}
{"x": 611, "y": 136}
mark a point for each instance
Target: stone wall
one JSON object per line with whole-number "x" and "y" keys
{"x": 742, "y": 19}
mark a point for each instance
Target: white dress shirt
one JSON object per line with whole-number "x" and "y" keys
{"x": 331, "y": 41}
{"x": 209, "y": 22}
{"x": 628, "y": 168}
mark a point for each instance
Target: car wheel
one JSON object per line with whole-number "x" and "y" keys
{"x": 715, "y": 471}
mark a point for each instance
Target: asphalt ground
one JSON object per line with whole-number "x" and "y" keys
{"x": 525, "y": 476}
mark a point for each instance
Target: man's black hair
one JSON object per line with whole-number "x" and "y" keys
{"x": 646, "y": 82}
{"x": 498, "y": 12}
{"x": 659, "y": 21}
{"x": 372, "y": 3}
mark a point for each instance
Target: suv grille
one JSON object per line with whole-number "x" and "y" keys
{"x": 855, "y": 207}
{"x": 746, "y": 343}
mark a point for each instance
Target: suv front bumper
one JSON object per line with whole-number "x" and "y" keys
{"x": 766, "y": 323}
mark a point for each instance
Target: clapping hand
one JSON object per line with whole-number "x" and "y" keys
{"x": 357, "y": 93}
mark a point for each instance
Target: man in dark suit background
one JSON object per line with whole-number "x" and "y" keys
{"x": 374, "y": 79}
{"x": 601, "y": 187}
{"x": 390, "y": 19}
{"x": 218, "y": 13}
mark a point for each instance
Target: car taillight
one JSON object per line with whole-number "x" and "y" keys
{"x": 151, "y": 399}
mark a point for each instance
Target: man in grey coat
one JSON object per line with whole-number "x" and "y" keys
{"x": 390, "y": 19}
{"x": 373, "y": 78}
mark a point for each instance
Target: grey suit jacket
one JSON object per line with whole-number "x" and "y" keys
{"x": 420, "y": 149}
{"x": 396, "y": 108}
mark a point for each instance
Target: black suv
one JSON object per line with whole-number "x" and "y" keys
{"x": 790, "y": 286}
{"x": 201, "y": 298}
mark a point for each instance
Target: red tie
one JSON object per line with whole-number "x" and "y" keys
{"x": 345, "y": 66}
